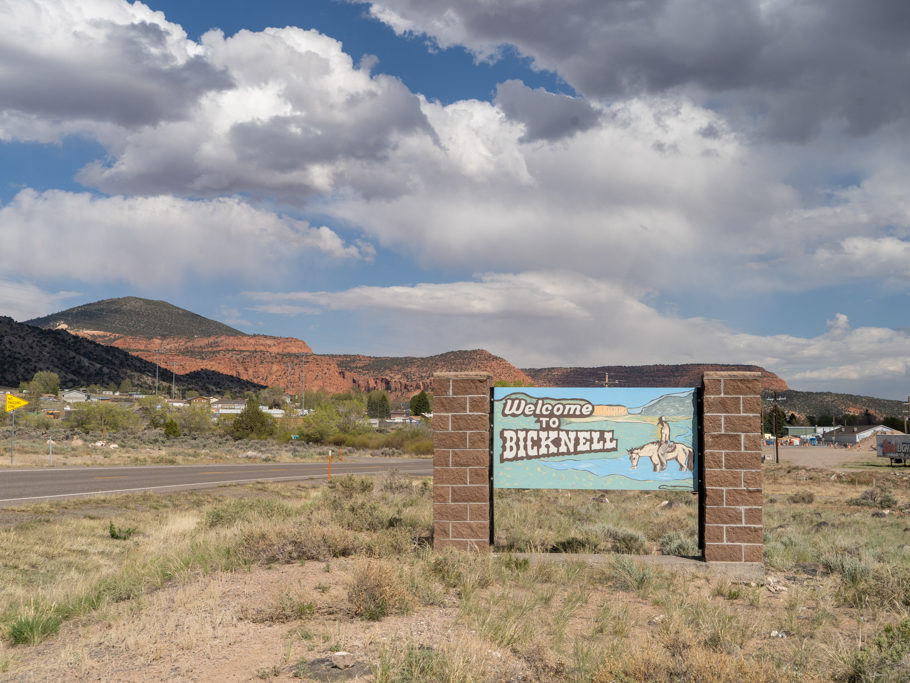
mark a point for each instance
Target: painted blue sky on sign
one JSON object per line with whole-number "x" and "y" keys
{"x": 532, "y": 450}
{"x": 653, "y": 183}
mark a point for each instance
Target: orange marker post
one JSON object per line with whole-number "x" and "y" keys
{"x": 330, "y": 464}
{"x": 341, "y": 454}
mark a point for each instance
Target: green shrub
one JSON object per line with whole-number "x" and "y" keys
{"x": 677, "y": 543}
{"x": 886, "y": 658}
{"x": 349, "y": 484}
{"x": 621, "y": 541}
{"x": 121, "y": 534}
{"x": 171, "y": 428}
{"x": 93, "y": 416}
{"x": 878, "y": 497}
{"x": 252, "y": 423}
{"x": 802, "y": 497}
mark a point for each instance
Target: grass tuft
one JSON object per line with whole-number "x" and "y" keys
{"x": 31, "y": 629}
{"x": 375, "y": 591}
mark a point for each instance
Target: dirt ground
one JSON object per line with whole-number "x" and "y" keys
{"x": 231, "y": 627}
{"x": 860, "y": 456}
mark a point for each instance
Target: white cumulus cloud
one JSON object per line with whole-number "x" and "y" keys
{"x": 153, "y": 241}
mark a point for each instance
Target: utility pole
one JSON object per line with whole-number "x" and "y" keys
{"x": 289, "y": 392}
{"x": 906, "y": 411}
{"x": 774, "y": 416}
{"x": 302, "y": 385}
{"x": 174, "y": 366}
{"x": 157, "y": 358}
{"x": 608, "y": 381}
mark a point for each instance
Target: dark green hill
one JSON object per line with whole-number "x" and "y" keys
{"x": 819, "y": 403}
{"x": 24, "y": 350}
{"x": 134, "y": 317}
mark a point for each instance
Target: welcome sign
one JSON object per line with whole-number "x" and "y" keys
{"x": 594, "y": 438}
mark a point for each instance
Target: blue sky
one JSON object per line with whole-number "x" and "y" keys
{"x": 579, "y": 183}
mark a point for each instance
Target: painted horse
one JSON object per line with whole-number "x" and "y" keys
{"x": 676, "y": 451}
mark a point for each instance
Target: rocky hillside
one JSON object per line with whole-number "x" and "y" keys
{"x": 409, "y": 374}
{"x": 131, "y": 316}
{"x": 256, "y": 358}
{"x": 685, "y": 375}
{"x": 24, "y": 350}
{"x": 276, "y": 361}
{"x": 819, "y": 403}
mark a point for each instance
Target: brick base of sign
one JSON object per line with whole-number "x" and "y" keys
{"x": 731, "y": 505}
{"x": 462, "y": 499}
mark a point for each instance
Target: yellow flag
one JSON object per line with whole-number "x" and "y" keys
{"x": 13, "y": 402}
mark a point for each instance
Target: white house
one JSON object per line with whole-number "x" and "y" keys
{"x": 74, "y": 396}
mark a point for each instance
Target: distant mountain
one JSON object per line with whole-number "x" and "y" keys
{"x": 133, "y": 317}
{"x": 682, "y": 375}
{"x": 187, "y": 342}
{"x": 180, "y": 340}
{"x": 818, "y": 403}
{"x": 25, "y": 349}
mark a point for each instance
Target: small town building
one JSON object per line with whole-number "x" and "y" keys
{"x": 74, "y": 396}
{"x": 853, "y": 434}
{"x": 228, "y": 406}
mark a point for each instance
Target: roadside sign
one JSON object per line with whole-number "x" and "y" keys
{"x": 13, "y": 402}
{"x": 595, "y": 438}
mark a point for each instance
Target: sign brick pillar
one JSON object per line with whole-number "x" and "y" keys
{"x": 462, "y": 494}
{"x": 731, "y": 505}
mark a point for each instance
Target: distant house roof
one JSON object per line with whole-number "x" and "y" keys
{"x": 800, "y": 430}
{"x": 229, "y": 403}
{"x": 856, "y": 433}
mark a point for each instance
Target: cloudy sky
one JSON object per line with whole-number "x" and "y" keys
{"x": 587, "y": 182}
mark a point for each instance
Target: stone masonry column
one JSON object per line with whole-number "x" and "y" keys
{"x": 462, "y": 494}
{"x": 731, "y": 505}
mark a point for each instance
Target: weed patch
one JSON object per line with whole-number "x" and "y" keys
{"x": 120, "y": 533}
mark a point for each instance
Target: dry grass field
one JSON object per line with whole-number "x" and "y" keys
{"x": 270, "y": 581}
{"x": 31, "y": 450}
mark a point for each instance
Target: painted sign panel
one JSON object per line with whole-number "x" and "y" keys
{"x": 594, "y": 438}
{"x": 894, "y": 446}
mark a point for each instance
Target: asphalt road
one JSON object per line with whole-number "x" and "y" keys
{"x": 18, "y": 487}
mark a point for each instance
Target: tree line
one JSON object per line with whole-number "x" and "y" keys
{"x": 783, "y": 419}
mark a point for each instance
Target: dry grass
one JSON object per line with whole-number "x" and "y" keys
{"x": 75, "y": 449}
{"x": 305, "y": 571}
